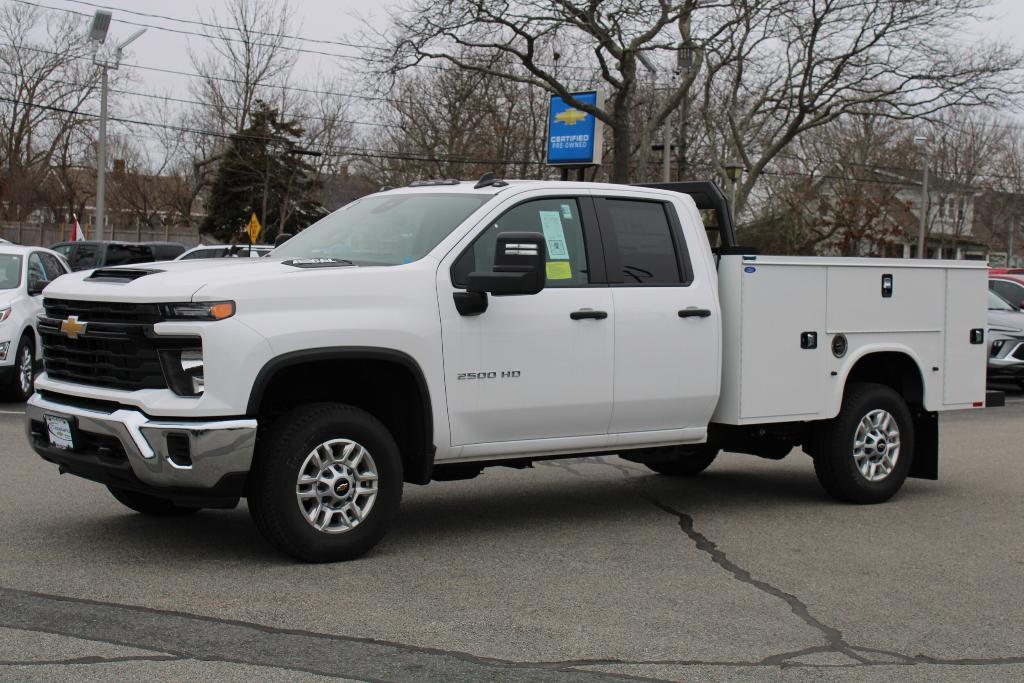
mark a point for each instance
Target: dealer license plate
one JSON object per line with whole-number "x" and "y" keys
{"x": 59, "y": 429}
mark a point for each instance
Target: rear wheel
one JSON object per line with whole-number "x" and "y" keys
{"x": 864, "y": 454}
{"x": 326, "y": 482}
{"x": 151, "y": 505}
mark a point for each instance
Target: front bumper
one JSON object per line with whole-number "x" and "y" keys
{"x": 123, "y": 447}
{"x": 1006, "y": 358}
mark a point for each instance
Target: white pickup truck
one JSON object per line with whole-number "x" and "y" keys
{"x": 425, "y": 332}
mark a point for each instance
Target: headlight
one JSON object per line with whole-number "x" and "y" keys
{"x": 213, "y": 310}
{"x": 1010, "y": 330}
{"x": 183, "y": 370}
{"x": 5, "y": 313}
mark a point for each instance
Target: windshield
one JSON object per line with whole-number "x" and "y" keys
{"x": 998, "y": 303}
{"x": 10, "y": 271}
{"x": 383, "y": 229}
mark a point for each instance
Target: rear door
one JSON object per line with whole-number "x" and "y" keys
{"x": 667, "y": 324}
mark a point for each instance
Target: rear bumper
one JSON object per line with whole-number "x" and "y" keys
{"x": 124, "y": 447}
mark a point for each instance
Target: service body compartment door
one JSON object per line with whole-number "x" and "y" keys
{"x": 966, "y": 310}
{"x": 781, "y": 305}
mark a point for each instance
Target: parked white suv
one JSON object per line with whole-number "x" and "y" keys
{"x": 426, "y": 332}
{"x": 24, "y": 272}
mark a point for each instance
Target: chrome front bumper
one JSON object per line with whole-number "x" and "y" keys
{"x": 216, "y": 449}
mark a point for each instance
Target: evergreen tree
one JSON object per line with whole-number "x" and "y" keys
{"x": 263, "y": 172}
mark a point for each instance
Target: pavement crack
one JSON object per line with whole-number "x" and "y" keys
{"x": 90, "y": 660}
{"x": 834, "y": 641}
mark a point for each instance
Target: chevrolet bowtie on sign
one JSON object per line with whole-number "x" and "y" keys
{"x": 71, "y": 327}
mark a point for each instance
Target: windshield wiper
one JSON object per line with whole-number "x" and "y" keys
{"x": 318, "y": 262}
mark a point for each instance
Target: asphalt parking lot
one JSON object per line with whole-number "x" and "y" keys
{"x": 573, "y": 570}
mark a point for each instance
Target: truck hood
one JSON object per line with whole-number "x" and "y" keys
{"x": 168, "y": 281}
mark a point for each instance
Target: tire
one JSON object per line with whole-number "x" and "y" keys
{"x": 22, "y": 381}
{"x": 871, "y": 415}
{"x": 153, "y": 506}
{"x": 310, "y": 478}
{"x": 681, "y": 462}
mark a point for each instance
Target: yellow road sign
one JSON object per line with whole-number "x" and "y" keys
{"x": 253, "y": 229}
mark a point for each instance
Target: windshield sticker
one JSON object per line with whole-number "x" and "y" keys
{"x": 559, "y": 270}
{"x": 551, "y": 223}
{"x": 566, "y": 212}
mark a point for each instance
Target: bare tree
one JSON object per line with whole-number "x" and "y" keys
{"x": 769, "y": 70}
{"x": 596, "y": 42}
{"x": 47, "y": 79}
{"x": 249, "y": 51}
{"x": 795, "y": 65}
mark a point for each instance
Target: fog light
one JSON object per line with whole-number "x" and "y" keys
{"x": 3, "y": 349}
{"x": 183, "y": 370}
{"x": 997, "y": 346}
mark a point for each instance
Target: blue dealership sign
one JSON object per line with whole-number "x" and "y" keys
{"x": 574, "y": 136}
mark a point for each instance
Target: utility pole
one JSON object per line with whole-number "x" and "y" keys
{"x": 666, "y": 151}
{"x": 98, "y": 35}
{"x": 922, "y": 235}
{"x": 684, "y": 64}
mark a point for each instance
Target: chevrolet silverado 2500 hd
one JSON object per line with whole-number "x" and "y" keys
{"x": 426, "y": 332}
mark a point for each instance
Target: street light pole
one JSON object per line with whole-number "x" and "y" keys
{"x": 101, "y": 161}
{"x": 733, "y": 171}
{"x": 98, "y": 35}
{"x": 666, "y": 150}
{"x": 922, "y": 229}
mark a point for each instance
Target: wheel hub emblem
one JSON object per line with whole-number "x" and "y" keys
{"x": 341, "y": 488}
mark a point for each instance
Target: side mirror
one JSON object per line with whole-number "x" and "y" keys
{"x": 519, "y": 259}
{"x": 519, "y": 268}
{"x": 282, "y": 238}
{"x": 36, "y": 287}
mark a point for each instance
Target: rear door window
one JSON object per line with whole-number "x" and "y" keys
{"x": 642, "y": 245}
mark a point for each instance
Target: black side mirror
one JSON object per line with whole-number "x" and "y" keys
{"x": 282, "y": 238}
{"x": 519, "y": 259}
{"x": 519, "y": 268}
{"x": 36, "y": 287}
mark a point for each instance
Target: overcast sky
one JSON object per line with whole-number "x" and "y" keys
{"x": 330, "y": 20}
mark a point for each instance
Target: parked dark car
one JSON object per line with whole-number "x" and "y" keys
{"x": 86, "y": 254}
{"x": 166, "y": 251}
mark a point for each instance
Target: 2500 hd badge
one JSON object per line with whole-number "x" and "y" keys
{"x": 504, "y": 374}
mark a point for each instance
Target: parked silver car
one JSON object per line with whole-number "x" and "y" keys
{"x": 1006, "y": 340}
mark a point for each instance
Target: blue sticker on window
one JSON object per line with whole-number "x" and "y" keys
{"x": 750, "y": 269}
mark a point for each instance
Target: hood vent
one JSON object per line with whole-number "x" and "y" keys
{"x": 119, "y": 275}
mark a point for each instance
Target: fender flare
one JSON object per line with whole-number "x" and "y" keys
{"x": 293, "y": 358}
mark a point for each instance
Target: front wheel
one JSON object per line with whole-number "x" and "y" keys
{"x": 22, "y": 382}
{"x": 326, "y": 482}
{"x": 864, "y": 454}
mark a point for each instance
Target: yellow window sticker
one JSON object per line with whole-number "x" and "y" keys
{"x": 559, "y": 270}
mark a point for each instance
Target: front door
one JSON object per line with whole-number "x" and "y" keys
{"x": 531, "y": 367}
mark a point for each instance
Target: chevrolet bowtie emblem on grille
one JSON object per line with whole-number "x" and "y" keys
{"x": 71, "y": 328}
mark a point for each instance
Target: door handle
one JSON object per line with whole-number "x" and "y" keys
{"x": 584, "y": 313}
{"x": 694, "y": 313}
